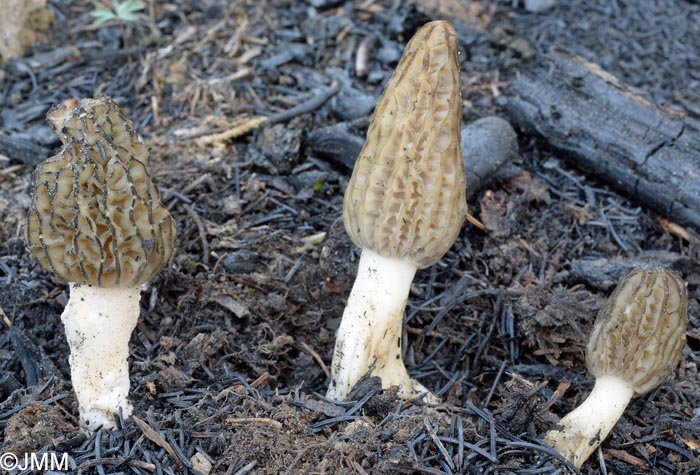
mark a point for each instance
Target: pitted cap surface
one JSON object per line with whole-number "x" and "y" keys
{"x": 640, "y": 332}
{"x": 407, "y": 194}
{"x": 96, "y": 217}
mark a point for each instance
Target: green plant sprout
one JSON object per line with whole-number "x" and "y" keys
{"x": 125, "y": 11}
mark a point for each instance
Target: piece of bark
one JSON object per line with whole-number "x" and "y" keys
{"x": 8, "y": 384}
{"x": 611, "y": 130}
{"x": 22, "y": 151}
{"x": 36, "y": 364}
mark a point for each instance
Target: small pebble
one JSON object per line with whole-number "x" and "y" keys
{"x": 537, "y": 6}
{"x": 242, "y": 261}
{"x": 201, "y": 464}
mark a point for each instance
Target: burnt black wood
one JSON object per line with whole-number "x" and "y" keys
{"x": 22, "y": 151}
{"x": 611, "y": 130}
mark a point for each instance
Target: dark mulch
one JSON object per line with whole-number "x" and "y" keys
{"x": 228, "y": 360}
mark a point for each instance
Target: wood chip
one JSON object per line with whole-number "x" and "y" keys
{"x": 231, "y": 304}
{"x": 692, "y": 443}
{"x": 625, "y": 457}
{"x": 557, "y": 394}
{"x": 673, "y": 228}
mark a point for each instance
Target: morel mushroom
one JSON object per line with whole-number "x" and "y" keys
{"x": 96, "y": 221}
{"x": 636, "y": 343}
{"x": 404, "y": 206}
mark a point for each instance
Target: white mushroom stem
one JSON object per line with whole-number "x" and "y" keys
{"x": 98, "y": 323}
{"x": 370, "y": 331}
{"x": 588, "y": 425}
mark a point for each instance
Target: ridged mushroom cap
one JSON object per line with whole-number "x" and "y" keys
{"x": 640, "y": 332}
{"x": 96, "y": 217}
{"x": 407, "y": 194}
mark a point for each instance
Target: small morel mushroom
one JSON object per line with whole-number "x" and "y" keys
{"x": 636, "y": 343}
{"x": 96, "y": 221}
{"x": 404, "y": 206}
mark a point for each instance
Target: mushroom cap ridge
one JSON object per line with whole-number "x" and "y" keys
{"x": 96, "y": 217}
{"x": 407, "y": 194}
{"x": 640, "y": 332}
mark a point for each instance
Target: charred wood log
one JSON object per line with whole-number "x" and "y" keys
{"x": 22, "y": 151}
{"x": 611, "y": 130}
{"x": 36, "y": 364}
{"x": 605, "y": 273}
{"x": 488, "y": 145}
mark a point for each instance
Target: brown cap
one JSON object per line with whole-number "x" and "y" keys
{"x": 640, "y": 332}
{"x": 406, "y": 197}
{"x": 96, "y": 216}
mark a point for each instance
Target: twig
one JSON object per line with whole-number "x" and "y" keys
{"x": 245, "y": 470}
{"x": 102, "y": 461}
{"x": 472, "y": 220}
{"x": 241, "y": 126}
{"x": 316, "y": 357}
{"x": 202, "y": 233}
{"x": 116, "y": 461}
{"x": 625, "y": 457}
{"x": 305, "y": 107}
{"x": 495, "y": 383}
{"x": 5, "y": 318}
{"x": 601, "y": 461}
{"x": 154, "y": 437}
{"x": 195, "y": 183}
{"x": 259, "y": 380}
{"x": 358, "y": 468}
{"x": 557, "y": 394}
{"x": 438, "y": 443}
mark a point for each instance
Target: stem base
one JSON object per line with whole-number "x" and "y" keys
{"x": 369, "y": 335}
{"x": 584, "y": 428}
{"x": 98, "y": 323}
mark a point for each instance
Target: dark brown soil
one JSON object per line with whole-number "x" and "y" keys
{"x": 230, "y": 357}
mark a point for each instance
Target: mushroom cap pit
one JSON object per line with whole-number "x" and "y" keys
{"x": 96, "y": 217}
{"x": 640, "y": 332}
{"x": 407, "y": 194}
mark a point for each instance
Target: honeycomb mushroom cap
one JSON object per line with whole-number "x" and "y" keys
{"x": 406, "y": 197}
{"x": 96, "y": 217}
{"x": 640, "y": 332}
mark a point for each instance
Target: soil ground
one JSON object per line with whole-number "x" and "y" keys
{"x": 230, "y": 357}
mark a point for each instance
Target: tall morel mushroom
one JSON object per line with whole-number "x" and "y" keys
{"x": 96, "y": 221}
{"x": 404, "y": 206}
{"x": 636, "y": 343}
